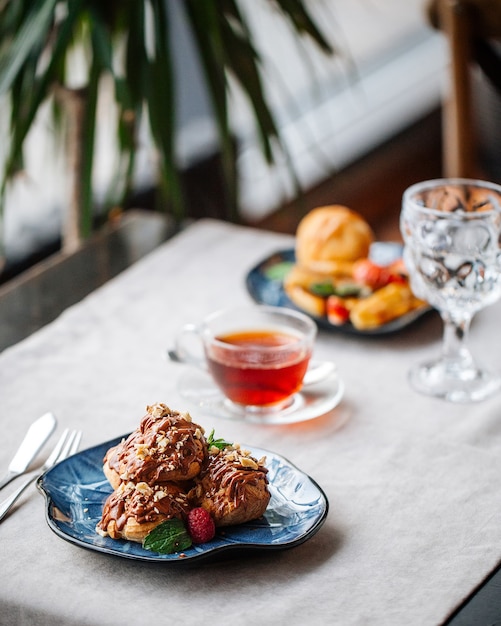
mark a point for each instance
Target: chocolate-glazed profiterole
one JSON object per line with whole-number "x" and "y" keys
{"x": 233, "y": 487}
{"x": 167, "y": 446}
{"x": 134, "y": 509}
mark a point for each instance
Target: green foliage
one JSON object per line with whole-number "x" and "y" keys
{"x": 37, "y": 37}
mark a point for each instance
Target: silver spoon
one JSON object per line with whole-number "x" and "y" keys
{"x": 36, "y": 436}
{"x": 173, "y": 356}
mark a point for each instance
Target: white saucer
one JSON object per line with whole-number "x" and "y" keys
{"x": 198, "y": 388}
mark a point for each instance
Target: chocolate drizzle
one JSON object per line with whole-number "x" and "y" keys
{"x": 165, "y": 468}
{"x": 232, "y": 480}
{"x": 143, "y": 504}
{"x": 166, "y": 446}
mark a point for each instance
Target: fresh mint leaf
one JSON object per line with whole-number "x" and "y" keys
{"x": 221, "y": 444}
{"x": 168, "y": 537}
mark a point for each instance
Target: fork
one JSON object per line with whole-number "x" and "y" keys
{"x": 68, "y": 444}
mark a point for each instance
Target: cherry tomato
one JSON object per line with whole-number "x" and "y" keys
{"x": 337, "y": 312}
{"x": 369, "y": 273}
{"x": 376, "y": 276}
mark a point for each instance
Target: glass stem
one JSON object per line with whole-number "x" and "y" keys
{"x": 454, "y": 349}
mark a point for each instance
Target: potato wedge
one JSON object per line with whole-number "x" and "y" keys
{"x": 383, "y": 306}
{"x": 301, "y": 297}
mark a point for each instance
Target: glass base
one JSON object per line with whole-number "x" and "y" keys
{"x": 199, "y": 389}
{"x": 454, "y": 383}
{"x": 292, "y": 404}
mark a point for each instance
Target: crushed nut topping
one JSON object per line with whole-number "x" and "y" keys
{"x": 158, "y": 410}
{"x": 162, "y": 443}
{"x": 125, "y": 488}
{"x": 142, "y": 450}
{"x": 144, "y": 489}
{"x": 248, "y": 462}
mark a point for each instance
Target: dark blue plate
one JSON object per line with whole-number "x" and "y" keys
{"x": 76, "y": 489}
{"x": 265, "y": 285}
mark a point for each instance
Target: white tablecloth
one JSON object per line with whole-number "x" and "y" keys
{"x": 413, "y": 482}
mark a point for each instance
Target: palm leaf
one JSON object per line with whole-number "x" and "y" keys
{"x": 225, "y": 46}
{"x": 161, "y": 109}
{"x": 207, "y": 26}
{"x": 33, "y": 29}
{"x": 243, "y": 61}
{"x": 303, "y": 23}
{"x": 39, "y": 86}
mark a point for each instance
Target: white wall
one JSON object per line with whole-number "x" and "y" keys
{"x": 389, "y": 72}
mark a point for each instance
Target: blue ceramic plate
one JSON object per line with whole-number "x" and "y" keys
{"x": 76, "y": 489}
{"x": 265, "y": 285}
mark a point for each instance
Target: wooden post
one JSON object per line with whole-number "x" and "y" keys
{"x": 459, "y": 149}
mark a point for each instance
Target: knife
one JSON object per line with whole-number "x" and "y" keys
{"x": 36, "y": 436}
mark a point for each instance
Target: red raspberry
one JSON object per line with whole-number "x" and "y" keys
{"x": 200, "y": 525}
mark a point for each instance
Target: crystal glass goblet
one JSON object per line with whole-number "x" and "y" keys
{"x": 451, "y": 230}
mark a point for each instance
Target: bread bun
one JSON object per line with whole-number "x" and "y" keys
{"x": 329, "y": 237}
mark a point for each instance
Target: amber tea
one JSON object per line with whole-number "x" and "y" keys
{"x": 257, "y": 356}
{"x": 258, "y": 367}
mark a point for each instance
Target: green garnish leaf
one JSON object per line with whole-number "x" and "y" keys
{"x": 347, "y": 290}
{"x": 323, "y": 289}
{"x": 327, "y": 289}
{"x": 168, "y": 537}
{"x": 221, "y": 444}
{"x": 278, "y": 271}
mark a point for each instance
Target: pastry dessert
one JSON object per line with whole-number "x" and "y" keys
{"x": 134, "y": 509}
{"x": 233, "y": 487}
{"x": 167, "y": 446}
{"x": 167, "y": 467}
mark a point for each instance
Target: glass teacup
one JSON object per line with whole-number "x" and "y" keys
{"x": 257, "y": 355}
